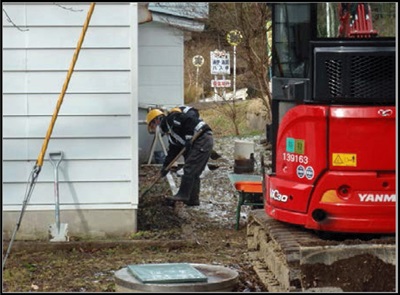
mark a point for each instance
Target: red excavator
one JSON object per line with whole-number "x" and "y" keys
{"x": 334, "y": 123}
{"x": 330, "y": 191}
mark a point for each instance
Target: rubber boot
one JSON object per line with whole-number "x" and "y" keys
{"x": 194, "y": 196}
{"x": 185, "y": 189}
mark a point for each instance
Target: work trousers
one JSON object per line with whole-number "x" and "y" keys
{"x": 197, "y": 157}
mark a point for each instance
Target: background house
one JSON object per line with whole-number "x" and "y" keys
{"x": 161, "y": 57}
{"x": 123, "y": 68}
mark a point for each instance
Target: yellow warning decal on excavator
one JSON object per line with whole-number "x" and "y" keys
{"x": 342, "y": 159}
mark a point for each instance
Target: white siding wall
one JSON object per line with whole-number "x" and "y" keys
{"x": 161, "y": 74}
{"x": 97, "y": 124}
{"x": 160, "y": 64}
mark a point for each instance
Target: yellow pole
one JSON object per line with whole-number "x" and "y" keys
{"x": 39, "y": 161}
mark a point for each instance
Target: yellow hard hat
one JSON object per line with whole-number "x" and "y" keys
{"x": 175, "y": 110}
{"x": 154, "y": 113}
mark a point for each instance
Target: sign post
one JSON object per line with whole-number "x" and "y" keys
{"x": 197, "y": 61}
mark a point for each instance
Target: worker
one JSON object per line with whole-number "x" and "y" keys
{"x": 181, "y": 128}
{"x": 191, "y": 111}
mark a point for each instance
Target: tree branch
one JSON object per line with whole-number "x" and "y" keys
{"x": 14, "y": 25}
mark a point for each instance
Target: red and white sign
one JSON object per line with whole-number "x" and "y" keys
{"x": 220, "y": 83}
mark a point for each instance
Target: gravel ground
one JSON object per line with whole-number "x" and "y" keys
{"x": 218, "y": 197}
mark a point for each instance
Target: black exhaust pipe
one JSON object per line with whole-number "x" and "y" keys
{"x": 319, "y": 215}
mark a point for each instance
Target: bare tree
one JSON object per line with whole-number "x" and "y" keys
{"x": 252, "y": 52}
{"x": 251, "y": 20}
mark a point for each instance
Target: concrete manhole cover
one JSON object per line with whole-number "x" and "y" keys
{"x": 219, "y": 279}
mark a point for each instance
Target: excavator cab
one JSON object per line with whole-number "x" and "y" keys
{"x": 333, "y": 131}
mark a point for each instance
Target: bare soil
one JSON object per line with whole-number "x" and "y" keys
{"x": 362, "y": 273}
{"x": 167, "y": 234}
{"x": 90, "y": 266}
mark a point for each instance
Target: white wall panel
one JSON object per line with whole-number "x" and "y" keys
{"x": 81, "y": 82}
{"x": 157, "y": 94}
{"x": 67, "y": 14}
{"x": 66, "y": 37}
{"x": 16, "y": 13}
{"x": 92, "y": 104}
{"x": 90, "y": 170}
{"x": 15, "y": 150}
{"x": 72, "y": 148}
{"x": 160, "y": 68}
{"x": 60, "y": 59}
{"x": 15, "y": 127}
{"x": 73, "y": 127}
{"x": 160, "y": 75}
{"x": 102, "y": 15}
{"x": 96, "y": 124}
{"x": 73, "y": 104}
{"x": 70, "y": 14}
{"x": 15, "y": 105}
{"x": 166, "y": 36}
{"x": 14, "y": 60}
{"x": 69, "y": 193}
{"x": 160, "y": 57}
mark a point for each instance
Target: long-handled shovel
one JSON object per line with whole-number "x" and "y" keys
{"x": 170, "y": 164}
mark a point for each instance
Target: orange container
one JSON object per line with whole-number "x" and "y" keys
{"x": 249, "y": 186}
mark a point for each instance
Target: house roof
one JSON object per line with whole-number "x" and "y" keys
{"x": 188, "y": 16}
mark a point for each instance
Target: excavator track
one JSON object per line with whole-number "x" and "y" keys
{"x": 288, "y": 258}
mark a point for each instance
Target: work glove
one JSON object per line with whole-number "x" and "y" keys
{"x": 163, "y": 172}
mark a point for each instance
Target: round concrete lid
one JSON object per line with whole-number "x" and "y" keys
{"x": 219, "y": 279}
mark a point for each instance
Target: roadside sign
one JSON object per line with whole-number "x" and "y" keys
{"x": 220, "y": 83}
{"x": 234, "y": 37}
{"x": 220, "y": 62}
{"x": 198, "y": 61}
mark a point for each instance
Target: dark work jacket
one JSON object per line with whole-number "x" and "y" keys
{"x": 191, "y": 111}
{"x": 180, "y": 128}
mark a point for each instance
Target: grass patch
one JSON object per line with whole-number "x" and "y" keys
{"x": 219, "y": 117}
